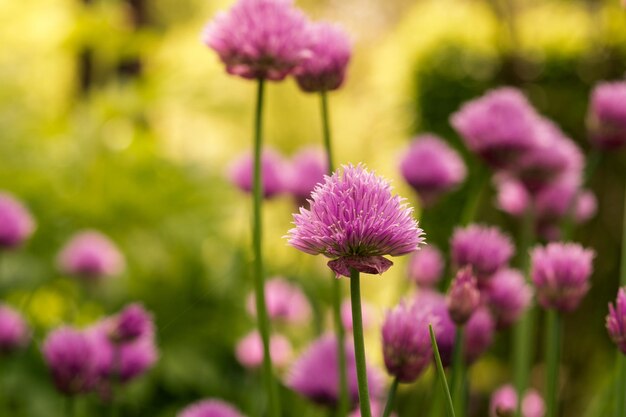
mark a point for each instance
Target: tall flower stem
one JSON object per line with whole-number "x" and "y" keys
{"x": 441, "y": 373}
{"x": 391, "y": 397}
{"x": 476, "y": 193}
{"x": 259, "y": 284}
{"x": 523, "y": 333}
{"x": 359, "y": 346}
{"x": 458, "y": 373}
{"x": 620, "y": 386}
{"x": 339, "y": 330}
{"x": 553, "y": 348}
{"x": 69, "y": 409}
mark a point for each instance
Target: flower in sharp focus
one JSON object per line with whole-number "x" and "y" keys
{"x": 210, "y": 408}
{"x": 71, "y": 358}
{"x": 463, "y": 296}
{"x": 426, "y": 266}
{"x": 504, "y": 403}
{"x": 329, "y": 50}
{"x": 406, "y": 342}
{"x": 432, "y": 168}
{"x": 315, "y": 374}
{"x": 356, "y": 220}
{"x": 616, "y": 321}
{"x": 249, "y": 350}
{"x": 285, "y": 302}
{"x": 130, "y": 324}
{"x": 485, "y": 249}
{"x": 16, "y": 222}
{"x": 499, "y": 126}
{"x": 273, "y": 169}
{"x": 507, "y": 295}
{"x": 259, "y": 39}
{"x": 307, "y": 169}
{"x": 14, "y": 332}
{"x": 606, "y": 117}
{"x": 367, "y": 315}
{"x": 91, "y": 255}
{"x": 560, "y": 272}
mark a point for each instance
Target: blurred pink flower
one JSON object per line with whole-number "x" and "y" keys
{"x": 249, "y": 350}
{"x": 463, "y": 296}
{"x": 504, "y": 403}
{"x": 285, "y": 301}
{"x": 606, "y": 117}
{"x": 367, "y": 311}
{"x": 16, "y": 222}
{"x": 273, "y": 172}
{"x": 91, "y": 255}
{"x": 14, "y": 332}
{"x": 426, "y": 266}
{"x": 507, "y": 296}
{"x": 210, "y": 408}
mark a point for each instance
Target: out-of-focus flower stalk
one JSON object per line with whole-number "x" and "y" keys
{"x": 478, "y": 186}
{"x": 441, "y": 373}
{"x": 620, "y": 386}
{"x": 391, "y": 397}
{"x": 553, "y": 351}
{"x": 259, "y": 284}
{"x": 359, "y": 346}
{"x": 458, "y": 373}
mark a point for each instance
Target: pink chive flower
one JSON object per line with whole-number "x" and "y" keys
{"x": 91, "y": 255}
{"x": 249, "y": 350}
{"x": 432, "y": 168}
{"x": 376, "y": 407}
{"x": 71, "y": 358}
{"x": 486, "y": 249}
{"x": 507, "y": 296}
{"x": 131, "y": 324}
{"x": 285, "y": 302}
{"x": 307, "y": 169}
{"x": 14, "y": 332}
{"x": 273, "y": 169}
{"x": 367, "y": 313}
{"x": 406, "y": 342}
{"x": 504, "y": 403}
{"x": 560, "y": 272}
{"x": 355, "y": 220}
{"x": 210, "y": 408}
{"x": 463, "y": 296}
{"x": 324, "y": 69}
{"x": 426, "y": 266}
{"x": 16, "y": 222}
{"x": 499, "y": 126}
{"x": 315, "y": 374}
{"x": 259, "y": 39}
{"x": 606, "y": 117}
{"x": 616, "y": 321}
{"x": 512, "y": 197}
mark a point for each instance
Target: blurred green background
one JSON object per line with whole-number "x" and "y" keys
{"x": 114, "y": 115}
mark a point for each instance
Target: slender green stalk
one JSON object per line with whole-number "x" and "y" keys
{"x": 620, "y": 397}
{"x": 359, "y": 346}
{"x": 477, "y": 190}
{"x": 458, "y": 373}
{"x": 441, "y": 374}
{"x": 523, "y": 332}
{"x": 553, "y": 350}
{"x": 343, "y": 405}
{"x": 114, "y": 408}
{"x": 622, "y": 281}
{"x": 69, "y": 409}
{"x": 391, "y": 397}
{"x": 259, "y": 279}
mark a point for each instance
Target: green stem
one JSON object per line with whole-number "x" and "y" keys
{"x": 620, "y": 386}
{"x": 391, "y": 397}
{"x": 458, "y": 373}
{"x": 523, "y": 332}
{"x": 553, "y": 348}
{"x": 622, "y": 280}
{"x": 339, "y": 330}
{"x": 359, "y": 346}
{"x": 259, "y": 284}
{"x": 476, "y": 193}
{"x": 114, "y": 410}
{"x": 441, "y": 373}
{"x": 68, "y": 407}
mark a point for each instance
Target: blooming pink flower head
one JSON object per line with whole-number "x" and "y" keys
{"x": 486, "y": 249}
{"x": 463, "y": 296}
{"x": 367, "y": 314}
{"x": 308, "y": 168}
{"x": 249, "y": 351}
{"x": 356, "y": 220}
{"x": 14, "y": 332}
{"x": 70, "y": 356}
{"x": 406, "y": 342}
{"x": 507, "y": 296}
{"x": 273, "y": 169}
{"x": 560, "y": 272}
{"x": 432, "y": 168}
{"x": 91, "y": 255}
{"x": 16, "y": 223}
{"x": 499, "y": 126}
{"x": 285, "y": 302}
{"x": 324, "y": 69}
{"x": 616, "y": 321}
{"x": 210, "y": 408}
{"x": 259, "y": 39}
{"x": 426, "y": 266}
{"x": 606, "y": 117}
{"x": 315, "y": 374}
{"x": 504, "y": 403}
{"x": 131, "y": 324}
